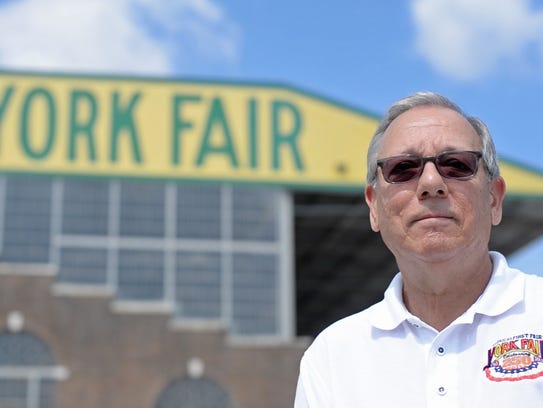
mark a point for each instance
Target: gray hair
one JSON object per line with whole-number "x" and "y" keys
{"x": 490, "y": 159}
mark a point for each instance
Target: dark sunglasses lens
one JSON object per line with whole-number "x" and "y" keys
{"x": 401, "y": 169}
{"x": 457, "y": 164}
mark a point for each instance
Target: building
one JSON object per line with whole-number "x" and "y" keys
{"x": 167, "y": 242}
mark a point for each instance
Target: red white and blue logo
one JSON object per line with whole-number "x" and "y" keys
{"x": 516, "y": 358}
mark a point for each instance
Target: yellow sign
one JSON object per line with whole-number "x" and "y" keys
{"x": 189, "y": 130}
{"x": 121, "y": 127}
{"x": 520, "y": 180}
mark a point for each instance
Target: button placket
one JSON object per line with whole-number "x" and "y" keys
{"x": 442, "y": 369}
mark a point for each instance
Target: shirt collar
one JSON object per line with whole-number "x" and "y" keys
{"x": 391, "y": 312}
{"x": 495, "y": 299}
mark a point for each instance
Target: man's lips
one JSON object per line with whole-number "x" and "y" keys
{"x": 437, "y": 217}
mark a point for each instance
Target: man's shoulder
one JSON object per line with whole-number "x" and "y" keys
{"x": 533, "y": 279}
{"x": 533, "y": 286}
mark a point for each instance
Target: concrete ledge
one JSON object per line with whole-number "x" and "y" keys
{"x": 82, "y": 290}
{"x": 29, "y": 269}
{"x": 141, "y": 307}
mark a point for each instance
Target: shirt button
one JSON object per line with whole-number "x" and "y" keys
{"x": 440, "y": 351}
{"x": 441, "y": 391}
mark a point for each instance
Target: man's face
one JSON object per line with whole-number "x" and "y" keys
{"x": 433, "y": 218}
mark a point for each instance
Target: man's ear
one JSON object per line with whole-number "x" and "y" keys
{"x": 497, "y": 194}
{"x": 370, "y": 196}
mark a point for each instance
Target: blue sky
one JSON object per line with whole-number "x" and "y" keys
{"x": 487, "y": 55}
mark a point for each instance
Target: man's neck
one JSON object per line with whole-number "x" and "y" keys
{"x": 439, "y": 293}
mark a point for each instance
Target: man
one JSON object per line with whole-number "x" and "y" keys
{"x": 457, "y": 326}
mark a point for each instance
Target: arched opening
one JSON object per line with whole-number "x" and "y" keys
{"x": 194, "y": 393}
{"x": 27, "y": 371}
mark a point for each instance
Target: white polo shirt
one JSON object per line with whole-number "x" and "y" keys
{"x": 491, "y": 356}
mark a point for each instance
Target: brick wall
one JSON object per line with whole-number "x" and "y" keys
{"x": 126, "y": 360}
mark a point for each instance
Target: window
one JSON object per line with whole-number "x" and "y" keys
{"x": 198, "y": 283}
{"x": 255, "y": 213}
{"x": 26, "y": 221}
{"x": 198, "y": 211}
{"x": 142, "y": 209}
{"x": 27, "y": 372}
{"x": 85, "y": 207}
{"x": 213, "y": 254}
{"x": 255, "y": 288}
{"x": 83, "y": 265}
{"x": 141, "y": 275}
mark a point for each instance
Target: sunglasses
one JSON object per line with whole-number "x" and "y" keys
{"x": 459, "y": 165}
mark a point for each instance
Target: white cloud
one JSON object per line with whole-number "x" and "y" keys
{"x": 468, "y": 39}
{"x": 129, "y": 36}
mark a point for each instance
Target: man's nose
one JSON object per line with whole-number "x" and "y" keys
{"x": 431, "y": 183}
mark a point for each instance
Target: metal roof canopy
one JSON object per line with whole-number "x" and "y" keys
{"x": 342, "y": 266}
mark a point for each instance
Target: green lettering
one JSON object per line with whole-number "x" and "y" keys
{"x": 287, "y": 139}
{"x": 217, "y": 118}
{"x": 122, "y": 118}
{"x": 4, "y": 103}
{"x": 38, "y": 94}
{"x": 253, "y": 134}
{"x": 82, "y": 128}
{"x": 180, "y": 125}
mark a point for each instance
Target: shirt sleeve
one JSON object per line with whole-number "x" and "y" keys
{"x": 301, "y": 400}
{"x": 312, "y": 390}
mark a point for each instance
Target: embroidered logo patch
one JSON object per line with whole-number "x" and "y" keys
{"x": 516, "y": 358}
